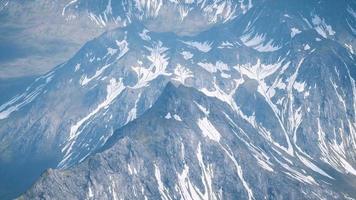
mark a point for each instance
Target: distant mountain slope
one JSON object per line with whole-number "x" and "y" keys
{"x": 11, "y": 87}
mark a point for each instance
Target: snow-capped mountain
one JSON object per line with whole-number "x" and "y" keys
{"x": 185, "y": 147}
{"x": 265, "y": 107}
{"x": 182, "y": 17}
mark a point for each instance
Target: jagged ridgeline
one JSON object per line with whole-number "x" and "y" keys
{"x": 192, "y": 100}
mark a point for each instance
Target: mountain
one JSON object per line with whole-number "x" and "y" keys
{"x": 278, "y": 84}
{"x": 12, "y": 86}
{"x": 187, "y": 146}
{"x": 181, "y": 17}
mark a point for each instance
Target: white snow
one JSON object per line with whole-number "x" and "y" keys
{"x": 183, "y": 11}
{"x": 177, "y": 117}
{"x": 331, "y": 155}
{"x": 306, "y": 47}
{"x": 84, "y": 80}
{"x": 162, "y": 189}
{"x": 111, "y": 51}
{"x": 123, "y": 49}
{"x": 144, "y": 35}
{"x": 239, "y": 173}
{"x": 181, "y": 73}
{"x": 188, "y": 190}
{"x": 113, "y": 89}
{"x": 187, "y": 55}
{"x": 129, "y": 169}
{"x": 77, "y": 67}
{"x": 244, "y": 7}
{"x": 150, "y": 7}
{"x": 212, "y": 68}
{"x": 321, "y": 27}
{"x": 168, "y": 116}
{"x": 350, "y": 48}
{"x": 339, "y": 96}
{"x": 90, "y": 192}
{"x": 312, "y": 166}
{"x": 202, "y": 108}
{"x": 223, "y": 96}
{"x": 201, "y": 46}
{"x": 99, "y": 20}
{"x": 67, "y": 5}
{"x": 299, "y": 176}
{"x": 27, "y": 97}
{"x": 159, "y": 62}
{"x": 225, "y": 75}
{"x": 226, "y": 44}
{"x": 259, "y": 72}
{"x": 259, "y": 42}
{"x": 299, "y": 86}
{"x": 113, "y": 189}
{"x": 220, "y": 10}
{"x": 261, "y": 157}
{"x": 208, "y": 129}
{"x": 348, "y": 167}
{"x": 263, "y": 164}
{"x": 133, "y": 112}
{"x": 207, "y": 176}
{"x": 294, "y": 32}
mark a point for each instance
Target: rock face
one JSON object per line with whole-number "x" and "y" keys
{"x": 266, "y": 108}
{"x": 187, "y": 146}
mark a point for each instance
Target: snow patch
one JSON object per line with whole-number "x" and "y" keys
{"x": 294, "y": 32}
{"x": 186, "y": 55}
{"x": 306, "y": 47}
{"x": 133, "y": 112}
{"x": 321, "y": 27}
{"x": 201, "y": 46}
{"x": 113, "y": 89}
{"x": 168, "y": 116}
{"x": 212, "y": 68}
{"x": 123, "y": 49}
{"x": 177, "y": 117}
{"x": 162, "y": 189}
{"x": 226, "y": 44}
{"x": 259, "y": 42}
{"x": 299, "y": 86}
{"x": 77, "y": 67}
{"x": 350, "y": 48}
{"x": 159, "y": 63}
{"x": 202, "y": 108}
{"x": 144, "y": 35}
{"x": 313, "y": 167}
{"x": 182, "y": 73}
{"x": 208, "y": 129}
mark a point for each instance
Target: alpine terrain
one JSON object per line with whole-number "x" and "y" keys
{"x": 190, "y": 99}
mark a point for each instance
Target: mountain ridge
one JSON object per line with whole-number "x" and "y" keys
{"x": 175, "y": 100}
{"x": 271, "y": 73}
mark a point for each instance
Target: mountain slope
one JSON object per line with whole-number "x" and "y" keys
{"x": 272, "y": 66}
{"x": 186, "y": 146}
